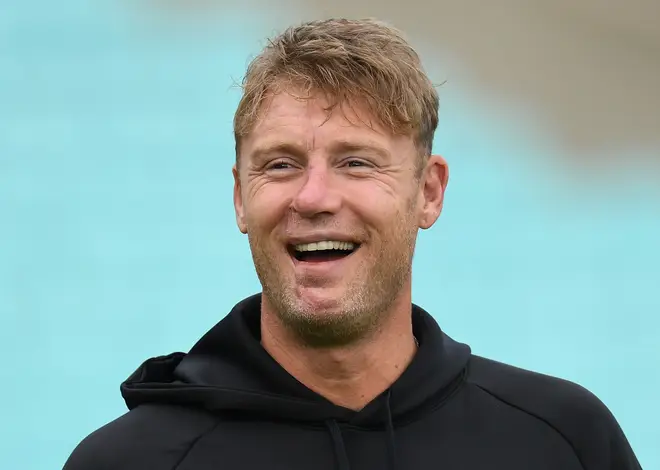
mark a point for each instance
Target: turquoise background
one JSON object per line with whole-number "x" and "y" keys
{"x": 117, "y": 235}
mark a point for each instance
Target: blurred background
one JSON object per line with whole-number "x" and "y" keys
{"x": 117, "y": 235}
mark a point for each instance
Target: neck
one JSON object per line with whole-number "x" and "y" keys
{"x": 353, "y": 375}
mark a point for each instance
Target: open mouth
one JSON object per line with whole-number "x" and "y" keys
{"x": 322, "y": 251}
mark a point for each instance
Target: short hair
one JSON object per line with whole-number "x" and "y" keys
{"x": 366, "y": 62}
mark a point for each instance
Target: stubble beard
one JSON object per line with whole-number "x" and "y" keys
{"x": 375, "y": 285}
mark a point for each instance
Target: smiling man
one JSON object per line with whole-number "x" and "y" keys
{"x": 332, "y": 366}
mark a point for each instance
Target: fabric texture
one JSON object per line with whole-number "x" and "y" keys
{"x": 227, "y": 405}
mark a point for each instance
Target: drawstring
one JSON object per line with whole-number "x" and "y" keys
{"x": 338, "y": 442}
{"x": 340, "y": 447}
{"x": 391, "y": 456}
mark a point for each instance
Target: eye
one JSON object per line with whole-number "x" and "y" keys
{"x": 279, "y": 165}
{"x": 353, "y": 163}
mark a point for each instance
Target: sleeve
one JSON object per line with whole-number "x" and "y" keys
{"x": 90, "y": 454}
{"x": 148, "y": 437}
{"x": 575, "y": 412}
{"x": 599, "y": 440}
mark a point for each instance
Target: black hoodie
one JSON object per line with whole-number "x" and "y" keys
{"x": 227, "y": 405}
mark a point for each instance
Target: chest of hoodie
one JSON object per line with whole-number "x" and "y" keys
{"x": 447, "y": 439}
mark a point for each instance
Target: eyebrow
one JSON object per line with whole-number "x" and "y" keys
{"x": 343, "y": 146}
{"x": 337, "y": 147}
{"x": 263, "y": 151}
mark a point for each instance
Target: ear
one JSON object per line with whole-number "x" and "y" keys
{"x": 432, "y": 190}
{"x": 238, "y": 201}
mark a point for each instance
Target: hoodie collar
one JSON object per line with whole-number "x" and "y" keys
{"x": 229, "y": 370}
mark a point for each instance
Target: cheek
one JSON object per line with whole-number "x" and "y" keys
{"x": 266, "y": 206}
{"x": 382, "y": 207}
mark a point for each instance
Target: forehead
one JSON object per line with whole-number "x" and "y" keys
{"x": 307, "y": 122}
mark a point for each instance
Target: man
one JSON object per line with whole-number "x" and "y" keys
{"x": 332, "y": 366}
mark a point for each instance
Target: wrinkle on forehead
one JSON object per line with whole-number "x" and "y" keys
{"x": 287, "y": 120}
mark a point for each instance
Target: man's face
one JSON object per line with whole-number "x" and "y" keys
{"x": 331, "y": 209}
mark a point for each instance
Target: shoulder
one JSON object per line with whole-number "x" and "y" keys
{"x": 534, "y": 392}
{"x": 149, "y": 436}
{"x": 577, "y": 414}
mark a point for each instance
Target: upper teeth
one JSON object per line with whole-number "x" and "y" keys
{"x": 325, "y": 245}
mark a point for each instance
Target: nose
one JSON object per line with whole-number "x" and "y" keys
{"x": 318, "y": 193}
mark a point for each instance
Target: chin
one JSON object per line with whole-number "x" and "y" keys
{"x": 317, "y": 300}
{"x": 325, "y": 322}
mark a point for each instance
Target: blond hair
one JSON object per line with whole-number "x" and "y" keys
{"x": 364, "y": 62}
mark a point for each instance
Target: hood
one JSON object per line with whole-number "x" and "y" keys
{"x": 229, "y": 370}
